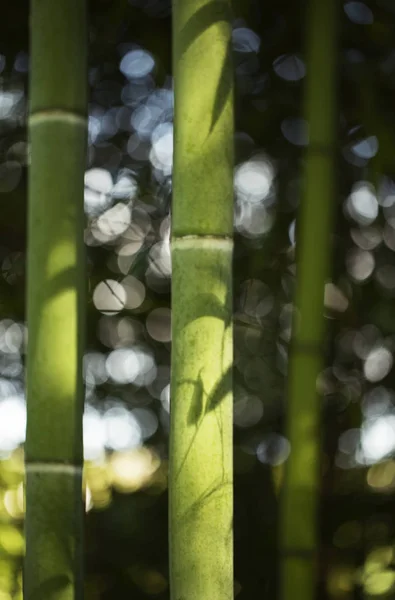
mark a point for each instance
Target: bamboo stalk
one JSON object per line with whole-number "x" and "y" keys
{"x": 56, "y": 301}
{"x": 298, "y": 519}
{"x": 200, "y": 478}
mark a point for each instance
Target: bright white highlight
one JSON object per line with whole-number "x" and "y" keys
{"x": 109, "y": 296}
{"x": 12, "y": 422}
{"x": 362, "y": 203}
{"x": 122, "y": 428}
{"x": 98, "y": 185}
{"x": 378, "y": 364}
{"x": 253, "y": 179}
{"x": 94, "y": 434}
{"x": 378, "y": 438}
{"x": 131, "y": 365}
{"x": 137, "y": 63}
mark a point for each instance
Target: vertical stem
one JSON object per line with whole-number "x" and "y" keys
{"x": 56, "y": 301}
{"x": 298, "y": 525}
{"x": 201, "y": 494}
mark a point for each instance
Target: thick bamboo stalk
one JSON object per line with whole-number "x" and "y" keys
{"x": 56, "y": 301}
{"x": 298, "y": 520}
{"x": 201, "y": 495}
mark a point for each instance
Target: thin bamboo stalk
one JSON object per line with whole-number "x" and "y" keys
{"x": 299, "y": 503}
{"x": 56, "y": 301}
{"x": 200, "y": 478}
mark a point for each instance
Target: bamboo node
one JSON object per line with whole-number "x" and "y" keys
{"x": 205, "y": 242}
{"x": 44, "y": 116}
{"x": 53, "y": 467}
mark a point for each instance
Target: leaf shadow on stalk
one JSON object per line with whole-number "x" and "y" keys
{"x": 69, "y": 575}
{"x": 208, "y": 305}
{"x": 211, "y": 13}
{"x": 200, "y": 407}
{"x": 207, "y": 496}
{"x": 202, "y": 402}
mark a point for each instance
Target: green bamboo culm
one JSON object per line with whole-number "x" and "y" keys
{"x": 56, "y": 301}
{"x": 299, "y": 501}
{"x": 201, "y": 445}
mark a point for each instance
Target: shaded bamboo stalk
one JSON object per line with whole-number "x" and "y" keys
{"x": 299, "y": 502}
{"x": 200, "y": 478}
{"x": 56, "y": 301}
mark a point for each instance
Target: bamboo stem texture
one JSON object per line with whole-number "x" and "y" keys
{"x": 56, "y": 301}
{"x": 299, "y": 502}
{"x": 201, "y": 446}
